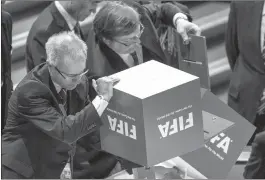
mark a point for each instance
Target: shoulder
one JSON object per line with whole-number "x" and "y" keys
{"x": 42, "y": 25}
{"x": 6, "y": 17}
{"x": 29, "y": 89}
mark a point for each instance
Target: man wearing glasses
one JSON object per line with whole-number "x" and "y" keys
{"x": 126, "y": 34}
{"x": 50, "y": 110}
{"x": 58, "y": 17}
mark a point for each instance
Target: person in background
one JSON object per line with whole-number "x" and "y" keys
{"x": 58, "y": 17}
{"x": 6, "y": 49}
{"x": 255, "y": 168}
{"x": 40, "y": 136}
{"x": 89, "y": 161}
{"x": 245, "y": 47}
{"x": 126, "y": 35}
{"x": 245, "y": 52}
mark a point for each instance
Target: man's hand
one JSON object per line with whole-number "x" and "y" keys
{"x": 104, "y": 86}
{"x": 185, "y": 28}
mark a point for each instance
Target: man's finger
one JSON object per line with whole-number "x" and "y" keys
{"x": 114, "y": 79}
{"x": 185, "y": 37}
{"x": 197, "y": 30}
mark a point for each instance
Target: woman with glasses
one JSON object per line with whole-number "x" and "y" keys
{"x": 126, "y": 35}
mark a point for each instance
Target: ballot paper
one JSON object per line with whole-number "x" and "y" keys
{"x": 193, "y": 59}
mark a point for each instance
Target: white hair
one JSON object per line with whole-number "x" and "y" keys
{"x": 65, "y": 44}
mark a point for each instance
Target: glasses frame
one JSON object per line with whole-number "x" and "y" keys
{"x": 70, "y": 75}
{"x": 132, "y": 38}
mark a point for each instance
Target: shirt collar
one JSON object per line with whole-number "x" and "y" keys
{"x": 68, "y": 18}
{"x": 57, "y": 87}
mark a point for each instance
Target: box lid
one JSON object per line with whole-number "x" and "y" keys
{"x": 150, "y": 78}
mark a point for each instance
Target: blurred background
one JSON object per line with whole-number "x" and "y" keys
{"x": 210, "y": 16}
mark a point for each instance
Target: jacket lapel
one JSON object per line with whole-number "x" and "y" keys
{"x": 58, "y": 18}
{"x": 42, "y": 74}
{"x": 116, "y": 61}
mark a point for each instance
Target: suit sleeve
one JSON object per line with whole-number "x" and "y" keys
{"x": 36, "y": 49}
{"x": 255, "y": 168}
{"x": 231, "y": 42}
{"x": 165, "y": 12}
{"x": 35, "y": 107}
{"x": 9, "y": 28}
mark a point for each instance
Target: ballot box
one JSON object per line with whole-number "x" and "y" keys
{"x": 226, "y": 133}
{"x": 154, "y": 115}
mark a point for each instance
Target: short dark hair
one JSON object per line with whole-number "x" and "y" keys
{"x": 114, "y": 19}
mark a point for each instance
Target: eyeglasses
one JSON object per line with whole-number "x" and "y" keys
{"x": 132, "y": 39}
{"x": 70, "y": 75}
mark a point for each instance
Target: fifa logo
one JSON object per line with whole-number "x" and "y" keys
{"x": 122, "y": 127}
{"x": 176, "y": 125}
{"x": 222, "y": 142}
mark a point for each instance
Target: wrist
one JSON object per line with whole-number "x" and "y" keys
{"x": 178, "y": 18}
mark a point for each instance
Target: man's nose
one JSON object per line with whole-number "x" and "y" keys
{"x": 76, "y": 80}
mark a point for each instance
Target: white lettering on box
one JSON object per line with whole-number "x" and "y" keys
{"x": 176, "y": 125}
{"x": 122, "y": 127}
{"x": 222, "y": 142}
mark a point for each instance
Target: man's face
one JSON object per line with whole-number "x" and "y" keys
{"x": 69, "y": 75}
{"x": 86, "y": 8}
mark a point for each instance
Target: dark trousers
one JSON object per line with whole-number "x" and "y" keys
{"x": 255, "y": 168}
{"x": 8, "y": 173}
{"x": 260, "y": 125}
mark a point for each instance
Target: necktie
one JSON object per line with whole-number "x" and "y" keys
{"x": 63, "y": 99}
{"x": 77, "y": 29}
{"x": 135, "y": 58}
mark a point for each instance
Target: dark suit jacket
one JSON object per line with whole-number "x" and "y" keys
{"x": 103, "y": 61}
{"x": 244, "y": 54}
{"x": 49, "y": 22}
{"x": 255, "y": 168}
{"x": 6, "y": 47}
{"x": 38, "y": 137}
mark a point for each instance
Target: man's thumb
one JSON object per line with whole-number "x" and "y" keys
{"x": 185, "y": 37}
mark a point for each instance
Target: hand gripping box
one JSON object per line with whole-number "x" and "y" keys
{"x": 154, "y": 115}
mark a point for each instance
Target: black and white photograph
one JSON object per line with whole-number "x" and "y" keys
{"x": 128, "y": 89}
